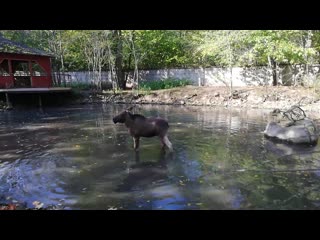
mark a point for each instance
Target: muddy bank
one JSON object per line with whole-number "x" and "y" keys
{"x": 243, "y": 97}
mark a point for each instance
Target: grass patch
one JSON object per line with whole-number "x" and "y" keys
{"x": 77, "y": 86}
{"x": 163, "y": 84}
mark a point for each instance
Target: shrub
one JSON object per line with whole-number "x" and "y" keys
{"x": 163, "y": 84}
{"x": 79, "y": 86}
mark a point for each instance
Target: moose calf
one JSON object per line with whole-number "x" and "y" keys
{"x": 140, "y": 126}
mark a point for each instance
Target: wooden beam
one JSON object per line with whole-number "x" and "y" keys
{"x": 9, "y": 105}
{"x": 35, "y": 90}
{"x": 40, "y": 101}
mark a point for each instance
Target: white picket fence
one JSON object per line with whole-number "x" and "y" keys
{"x": 206, "y": 76}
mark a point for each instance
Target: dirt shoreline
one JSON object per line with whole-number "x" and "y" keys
{"x": 280, "y": 97}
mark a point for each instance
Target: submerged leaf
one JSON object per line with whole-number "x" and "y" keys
{"x": 37, "y": 204}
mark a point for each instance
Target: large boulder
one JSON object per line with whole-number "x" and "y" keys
{"x": 302, "y": 131}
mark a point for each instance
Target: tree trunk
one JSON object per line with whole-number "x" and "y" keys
{"x": 231, "y": 84}
{"x": 273, "y": 65}
{"x": 61, "y": 52}
{"x": 136, "y": 71}
{"x": 111, "y": 68}
{"x": 307, "y": 45}
{"x": 119, "y": 71}
{"x": 274, "y": 73}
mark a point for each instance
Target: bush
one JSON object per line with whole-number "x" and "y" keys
{"x": 79, "y": 86}
{"x": 163, "y": 84}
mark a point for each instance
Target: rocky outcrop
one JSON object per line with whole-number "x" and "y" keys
{"x": 300, "y": 132}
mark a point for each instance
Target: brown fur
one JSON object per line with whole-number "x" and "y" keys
{"x": 140, "y": 126}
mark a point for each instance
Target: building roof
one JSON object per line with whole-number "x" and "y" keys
{"x": 8, "y": 46}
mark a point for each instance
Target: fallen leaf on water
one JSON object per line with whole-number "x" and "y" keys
{"x": 181, "y": 183}
{"x": 8, "y": 207}
{"x": 11, "y": 207}
{"x": 37, "y": 204}
{"x": 112, "y": 208}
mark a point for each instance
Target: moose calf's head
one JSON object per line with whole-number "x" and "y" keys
{"x": 121, "y": 118}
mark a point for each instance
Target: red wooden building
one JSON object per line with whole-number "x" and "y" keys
{"x": 23, "y": 67}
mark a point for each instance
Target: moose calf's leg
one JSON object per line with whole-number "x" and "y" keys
{"x": 136, "y": 143}
{"x": 166, "y": 141}
{"x": 163, "y": 145}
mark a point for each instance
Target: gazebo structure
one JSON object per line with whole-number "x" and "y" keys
{"x": 24, "y": 70}
{"x": 23, "y": 67}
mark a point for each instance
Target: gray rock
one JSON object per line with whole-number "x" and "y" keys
{"x": 303, "y": 131}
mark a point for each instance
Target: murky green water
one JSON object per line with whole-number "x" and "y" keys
{"x": 76, "y": 158}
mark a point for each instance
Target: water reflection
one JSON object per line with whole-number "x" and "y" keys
{"x": 150, "y": 183}
{"x": 76, "y": 158}
{"x": 141, "y": 175}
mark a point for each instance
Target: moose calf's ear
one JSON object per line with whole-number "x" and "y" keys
{"x": 129, "y": 109}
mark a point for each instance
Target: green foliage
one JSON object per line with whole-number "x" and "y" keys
{"x": 285, "y": 46}
{"x": 156, "y": 49}
{"x": 80, "y": 86}
{"x": 245, "y": 48}
{"x": 164, "y": 84}
{"x": 167, "y": 48}
{"x": 222, "y": 48}
{"x": 74, "y": 57}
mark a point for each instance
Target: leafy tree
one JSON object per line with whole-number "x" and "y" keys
{"x": 126, "y": 50}
{"x": 274, "y": 47}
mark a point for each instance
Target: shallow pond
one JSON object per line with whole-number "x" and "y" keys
{"x": 76, "y": 158}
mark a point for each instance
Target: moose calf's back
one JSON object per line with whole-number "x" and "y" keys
{"x": 150, "y": 127}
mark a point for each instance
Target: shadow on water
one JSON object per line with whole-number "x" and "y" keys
{"x": 149, "y": 182}
{"x": 76, "y": 158}
{"x": 142, "y": 174}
